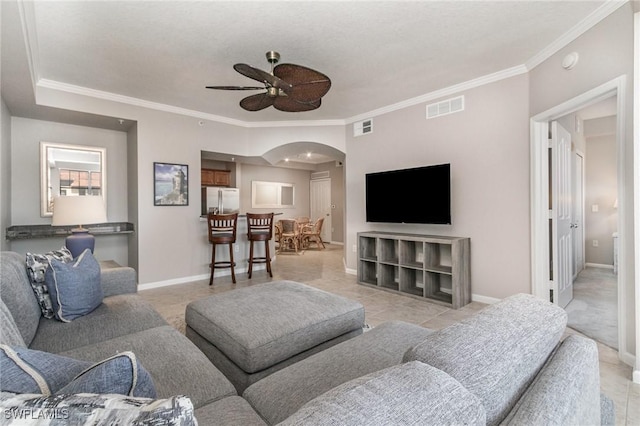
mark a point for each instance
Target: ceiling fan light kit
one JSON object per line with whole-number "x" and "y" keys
{"x": 289, "y": 87}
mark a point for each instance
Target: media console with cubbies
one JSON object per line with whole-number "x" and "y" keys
{"x": 426, "y": 266}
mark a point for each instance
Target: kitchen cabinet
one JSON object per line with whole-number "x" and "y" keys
{"x": 210, "y": 177}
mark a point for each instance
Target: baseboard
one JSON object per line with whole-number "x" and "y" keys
{"x": 186, "y": 280}
{"x": 484, "y": 299}
{"x": 598, "y": 265}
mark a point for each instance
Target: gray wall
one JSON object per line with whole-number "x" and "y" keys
{"x": 300, "y": 178}
{"x": 25, "y": 181}
{"x": 606, "y": 52}
{"x": 487, "y": 146}
{"x": 602, "y": 190}
{"x": 5, "y": 174}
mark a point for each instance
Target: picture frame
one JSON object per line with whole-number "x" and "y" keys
{"x": 170, "y": 184}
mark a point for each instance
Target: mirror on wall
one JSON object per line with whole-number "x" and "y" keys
{"x": 272, "y": 195}
{"x": 70, "y": 170}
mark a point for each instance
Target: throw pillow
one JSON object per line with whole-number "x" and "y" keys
{"x": 96, "y": 410}
{"x": 29, "y": 371}
{"x": 75, "y": 288}
{"x": 121, "y": 374}
{"x": 37, "y": 265}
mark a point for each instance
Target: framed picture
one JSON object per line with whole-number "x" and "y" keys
{"x": 170, "y": 184}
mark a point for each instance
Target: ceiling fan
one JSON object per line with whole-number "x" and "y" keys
{"x": 289, "y": 87}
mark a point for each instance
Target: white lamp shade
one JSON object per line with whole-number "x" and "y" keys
{"x": 78, "y": 210}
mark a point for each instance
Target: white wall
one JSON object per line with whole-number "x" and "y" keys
{"x": 488, "y": 147}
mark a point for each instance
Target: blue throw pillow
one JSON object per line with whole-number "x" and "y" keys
{"x": 121, "y": 374}
{"x": 29, "y": 371}
{"x": 75, "y": 288}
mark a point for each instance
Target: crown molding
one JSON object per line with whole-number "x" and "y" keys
{"x": 606, "y": 9}
{"x": 27, "y": 15}
{"x": 456, "y": 88}
{"x": 29, "y": 34}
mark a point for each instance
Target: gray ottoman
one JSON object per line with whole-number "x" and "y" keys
{"x": 252, "y": 332}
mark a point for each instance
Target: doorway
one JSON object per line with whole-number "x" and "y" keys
{"x": 541, "y": 253}
{"x": 320, "y": 205}
{"x": 594, "y": 169}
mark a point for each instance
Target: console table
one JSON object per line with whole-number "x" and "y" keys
{"x": 424, "y": 266}
{"x": 27, "y": 232}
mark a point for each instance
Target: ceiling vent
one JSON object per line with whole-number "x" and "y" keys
{"x": 446, "y": 107}
{"x": 363, "y": 127}
{"x": 320, "y": 175}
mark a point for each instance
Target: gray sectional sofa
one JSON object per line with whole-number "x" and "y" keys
{"x": 506, "y": 365}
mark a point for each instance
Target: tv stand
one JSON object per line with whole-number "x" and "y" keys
{"x": 423, "y": 266}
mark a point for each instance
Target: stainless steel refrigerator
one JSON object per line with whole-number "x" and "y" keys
{"x": 226, "y": 200}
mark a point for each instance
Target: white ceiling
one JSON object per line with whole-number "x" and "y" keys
{"x": 377, "y": 53}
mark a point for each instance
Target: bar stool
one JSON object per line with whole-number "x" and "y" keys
{"x": 222, "y": 230}
{"x": 260, "y": 228}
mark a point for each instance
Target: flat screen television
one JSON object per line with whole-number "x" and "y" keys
{"x": 417, "y": 195}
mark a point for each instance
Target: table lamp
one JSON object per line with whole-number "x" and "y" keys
{"x": 78, "y": 210}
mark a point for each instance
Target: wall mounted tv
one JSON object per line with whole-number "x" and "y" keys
{"x": 417, "y": 195}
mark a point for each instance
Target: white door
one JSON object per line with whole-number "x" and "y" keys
{"x": 561, "y": 213}
{"x": 578, "y": 213}
{"x": 320, "y": 205}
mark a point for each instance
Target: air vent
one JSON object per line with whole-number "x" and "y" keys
{"x": 320, "y": 175}
{"x": 446, "y": 107}
{"x": 363, "y": 127}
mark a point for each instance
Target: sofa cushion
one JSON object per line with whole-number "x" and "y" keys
{"x": 37, "y": 265}
{"x": 232, "y": 410}
{"x": 17, "y": 295}
{"x": 175, "y": 364}
{"x": 116, "y": 316}
{"x": 95, "y": 409}
{"x": 412, "y": 393}
{"x": 496, "y": 353}
{"x": 9, "y": 333}
{"x": 281, "y": 394}
{"x": 28, "y": 371}
{"x": 74, "y": 287}
{"x": 569, "y": 382}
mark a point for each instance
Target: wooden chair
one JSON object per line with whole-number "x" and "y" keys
{"x": 259, "y": 228}
{"x": 222, "y": 230}
{"x": 290, "y": 235}
{"x": 312, "y": 233}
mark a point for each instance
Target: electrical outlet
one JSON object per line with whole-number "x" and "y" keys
{"x": 236, "y": 248}
{"x": 354, "y": 248}
{"x": 595, "y": 243}
{"x": 594, "y": 208}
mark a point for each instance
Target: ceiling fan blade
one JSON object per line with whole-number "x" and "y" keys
{"x": 256, "y": 102}
{"x": 235, "y": 87}
{"x": 308, "y": 85}
{"x": 288, "y": 104}
{"x": 263, "y": 76}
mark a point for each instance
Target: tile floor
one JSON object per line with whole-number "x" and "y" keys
{"x": 325, "y": 270}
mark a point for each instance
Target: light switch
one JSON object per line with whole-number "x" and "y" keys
{"x": 594, "y": 208}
